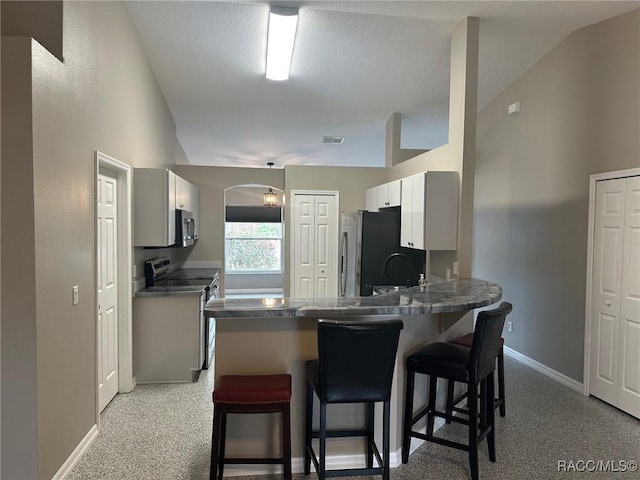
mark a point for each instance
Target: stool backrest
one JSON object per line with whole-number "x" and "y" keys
{"x": 356, "y": 360}
{"x": 486, "y": 341}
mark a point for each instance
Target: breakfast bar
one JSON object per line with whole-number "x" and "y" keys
{"x": 278, "y": 335}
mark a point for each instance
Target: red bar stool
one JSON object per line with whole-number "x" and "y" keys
{"x": 466, "y": 341}
{"x": 250, "y": 394}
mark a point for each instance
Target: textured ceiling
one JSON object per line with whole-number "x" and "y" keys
{"x": 354, "y": 64}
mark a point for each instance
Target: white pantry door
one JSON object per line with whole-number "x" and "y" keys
{"x": 615, "y": 296}
{"x": 314, "y": 272}
{"x": 107, "y": 194}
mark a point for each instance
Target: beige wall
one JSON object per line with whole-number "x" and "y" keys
{"x": 212, "y": 183}
{"x": 580, "y": 115}
{"x": 350, "y": 182}
{"x": 103, "y": 97}
{"x": 18, "y": 335}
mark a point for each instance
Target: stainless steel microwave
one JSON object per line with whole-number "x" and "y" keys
{"x": 185, "y": 228}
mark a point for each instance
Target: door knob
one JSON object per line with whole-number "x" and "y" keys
{"x": 607, "y": 303}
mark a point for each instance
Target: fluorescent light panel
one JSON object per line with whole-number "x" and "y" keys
{"x": 282, "y": 31}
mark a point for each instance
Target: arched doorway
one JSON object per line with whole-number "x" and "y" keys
{"x": 254, "y": 243}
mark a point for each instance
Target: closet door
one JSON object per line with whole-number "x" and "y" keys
{"x": 606, "y": 288}
{"x": 615, "y": 295}
{"x": 629, "y": 342}
{"x": 314, "y": 245}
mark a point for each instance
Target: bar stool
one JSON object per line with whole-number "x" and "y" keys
{"x": 466, "y": 341}
{"x": 250, "y": 394}
{"x": 355, "y": 365}
{"x": 470, "y": 366}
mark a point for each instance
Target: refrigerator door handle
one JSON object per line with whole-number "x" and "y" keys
{"x": 343, "y": 266}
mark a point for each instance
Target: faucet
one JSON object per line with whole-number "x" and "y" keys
{"x": 385, "y": 265}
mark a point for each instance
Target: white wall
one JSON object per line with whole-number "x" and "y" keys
{"x": 580, "y": 115}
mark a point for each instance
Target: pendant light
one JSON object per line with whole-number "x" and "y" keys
{"x": 270, "y": 199}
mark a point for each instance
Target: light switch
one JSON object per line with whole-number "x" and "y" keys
{"x": 75, "y": 294}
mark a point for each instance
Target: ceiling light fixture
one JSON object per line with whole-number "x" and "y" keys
{"x": 270, "y": 199}
{"x": 282, "y": 31}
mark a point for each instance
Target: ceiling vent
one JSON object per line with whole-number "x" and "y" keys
{"x": 333, "y": 140}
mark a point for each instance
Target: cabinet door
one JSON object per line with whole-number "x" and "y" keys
{"x": 418, "y": 211}
{"x": 406, "y": 204}
{"x": 371, "y": 199}
{"x": 154, "y": 195}
{"x": 394, "y": 193}
{"x": 194, "y": 197}
{"x": 383, "y": 196}
{"x": 183, "y": 194}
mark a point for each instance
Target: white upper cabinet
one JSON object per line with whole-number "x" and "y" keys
{"x": 389, "y": 194}
{"x": 371, "y": 200}
{"x": 383, "y": 196}
{"x": 183, "y": 194}
{"x": 429, "y": 214}
{"x": 157, "y": 193}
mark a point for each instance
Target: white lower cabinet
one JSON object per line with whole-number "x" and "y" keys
{"x": 429, "y": 211}
{"x": 168, "y": 338}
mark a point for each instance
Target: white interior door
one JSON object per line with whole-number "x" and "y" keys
{"x": 629, "y": 339}
{"x": 326, "y": 247}
{"x": 615, "y": 297}
{"x": 303, "y": 245}
{"x": 107, "y": 324}
{"x": 314, "y": 243}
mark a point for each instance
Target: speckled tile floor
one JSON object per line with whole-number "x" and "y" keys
{"x": 163, "y": 432}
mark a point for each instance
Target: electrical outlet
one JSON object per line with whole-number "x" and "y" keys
{"x": 455, "y": 268}
{"x": 509, "y": 327}
{"x": 135, "y": 272}
{"x": 75, "y": 295}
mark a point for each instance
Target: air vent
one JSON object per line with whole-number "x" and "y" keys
{"x": 333, "y": 140}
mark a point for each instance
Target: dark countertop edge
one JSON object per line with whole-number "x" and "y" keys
{"x": 170, "y": 291}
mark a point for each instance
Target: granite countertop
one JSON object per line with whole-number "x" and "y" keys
{"x": 173, "y": 291}
{"x": 439, "y": 297}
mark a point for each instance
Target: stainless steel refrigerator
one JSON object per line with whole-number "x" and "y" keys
{"x": 367, "y": 240}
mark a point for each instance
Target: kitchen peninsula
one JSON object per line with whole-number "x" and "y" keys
{"x": 273, "y": 335}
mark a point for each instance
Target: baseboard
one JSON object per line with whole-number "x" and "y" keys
{"x": 334, "y": 462}
{"x": 549, "y": 372}
{"x": 76, "y": 454}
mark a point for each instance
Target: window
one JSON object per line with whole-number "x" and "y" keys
{"x": 253, "y": 247}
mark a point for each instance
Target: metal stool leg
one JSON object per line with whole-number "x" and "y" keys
{"x": 408, "y": 416}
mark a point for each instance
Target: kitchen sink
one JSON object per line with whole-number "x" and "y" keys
{"x": 384, "y": 289}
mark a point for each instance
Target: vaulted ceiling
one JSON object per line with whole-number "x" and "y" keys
{"x": 354, "y": 64}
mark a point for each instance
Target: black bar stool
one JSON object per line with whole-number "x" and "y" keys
{"x": 250, "y": 394}
{"x": 470, "y": 366}
{"x": 355, "y": 365}
{"x": 500, "y": 402}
